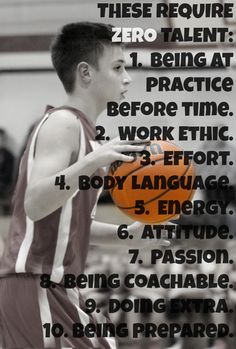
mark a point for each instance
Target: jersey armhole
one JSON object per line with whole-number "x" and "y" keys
{"x": 32, "y": 149}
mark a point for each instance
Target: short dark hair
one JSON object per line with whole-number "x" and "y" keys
{"x": 77, "y": 42}
{"x": 2, "y": 132}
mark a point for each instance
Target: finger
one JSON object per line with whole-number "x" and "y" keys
{"x": 138, "y": 141}
{"x": 117, "y": 140}
{"x": 125, "y": 158}
{"x": 165, "y": 243}
{"x": 129, "y": 148}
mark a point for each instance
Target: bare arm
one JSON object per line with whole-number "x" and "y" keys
{"x": 57, "y": 143}
{"x": 57, "y": 146}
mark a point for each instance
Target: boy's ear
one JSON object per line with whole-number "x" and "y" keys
{"x": 84, "y": 72}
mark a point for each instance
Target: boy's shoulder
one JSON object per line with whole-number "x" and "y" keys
{"x": 63, "y": 117}
{"x": 61, "y": 127}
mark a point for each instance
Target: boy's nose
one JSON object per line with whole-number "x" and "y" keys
{"x": 127, "y": 78}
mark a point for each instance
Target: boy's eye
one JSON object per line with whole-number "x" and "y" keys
{"x": 118, "y": 67}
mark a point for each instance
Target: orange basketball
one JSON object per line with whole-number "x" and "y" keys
{"x": 151, "y": 185}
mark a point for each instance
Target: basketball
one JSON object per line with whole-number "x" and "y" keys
{"x": 151, "y": 184}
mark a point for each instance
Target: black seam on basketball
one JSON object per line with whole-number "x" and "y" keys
{"x": 155, "y": 198}
{"x": 133, "y": 171}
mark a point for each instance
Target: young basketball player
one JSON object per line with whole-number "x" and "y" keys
{"x": 50, "y": 228}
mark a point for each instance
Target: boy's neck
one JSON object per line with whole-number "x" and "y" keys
{"x": 86, "y": 107}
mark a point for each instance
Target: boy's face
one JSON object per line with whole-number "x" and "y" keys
{"x": 110, "y": 81}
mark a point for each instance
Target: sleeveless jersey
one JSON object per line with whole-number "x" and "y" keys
{"x": 58, "y": 243}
